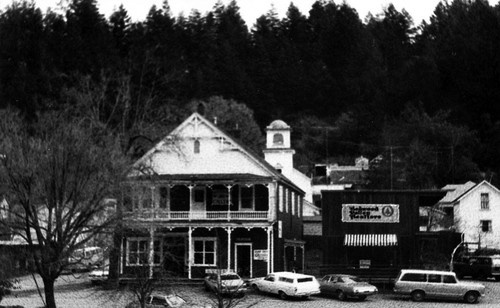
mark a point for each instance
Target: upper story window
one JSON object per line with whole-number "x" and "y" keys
{"x": 486, "y": 225}
{"x": 196, "y": 146}
{"x": 485, "y": 201}
{"x": 278, "y": 139}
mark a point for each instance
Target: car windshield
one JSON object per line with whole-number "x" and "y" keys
{"x": 348, "y": 279}
{"x": 496, "y": 261}
{"x": 230, "y": 277}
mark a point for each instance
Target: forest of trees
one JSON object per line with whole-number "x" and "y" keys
{"x": 423, "y": 99}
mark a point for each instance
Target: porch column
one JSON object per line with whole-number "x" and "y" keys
{"x": 268, "y": 250}
{"x": 229, "y": 230}
{"x": 190, "y": 199}
{"x": 303, "y": 258}
{"x": 271, "y": 253}
{"x": 151, "y": 251}
{"x": 228, "y": 203}
{"x": 190, "y": 254}
{"x": 271, "y": 200}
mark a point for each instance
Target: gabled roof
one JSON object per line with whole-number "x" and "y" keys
{"x": 458, "y": 192}
{"x": 244, "y": 150}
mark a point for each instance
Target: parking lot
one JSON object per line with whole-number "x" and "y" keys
{"x": 77, "y": 291}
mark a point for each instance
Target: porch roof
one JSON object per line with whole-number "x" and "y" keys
{"x": 213, "y": 177}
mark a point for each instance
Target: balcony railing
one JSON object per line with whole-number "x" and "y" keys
{"x": 163, "y": 215}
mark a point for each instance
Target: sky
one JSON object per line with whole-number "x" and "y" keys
{"x": 250, "y": 10}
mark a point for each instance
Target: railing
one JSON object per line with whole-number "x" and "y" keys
{"x": 163, "y": 215}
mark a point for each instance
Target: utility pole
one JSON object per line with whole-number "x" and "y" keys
{"x": 390, "y": 148}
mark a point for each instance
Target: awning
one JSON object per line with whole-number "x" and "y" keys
{"x": 361, "y": 240}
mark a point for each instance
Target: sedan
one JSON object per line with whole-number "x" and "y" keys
{"x": 344, "y": 286}
{"x": 225, "y": 283}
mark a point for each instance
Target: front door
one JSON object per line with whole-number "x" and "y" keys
{"x": 243, "y": 259}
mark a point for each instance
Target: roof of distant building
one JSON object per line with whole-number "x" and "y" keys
{"x": 455, "y": 191}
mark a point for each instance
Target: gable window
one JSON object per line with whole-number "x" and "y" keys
{"x": 204, "y": 250}
{"x": 485, "y": 201}
{"x": 486, "y": 225}
{"x": 196, "y": 146}
{"x": 278, "y": 139}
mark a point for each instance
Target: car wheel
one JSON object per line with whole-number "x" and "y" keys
{"x": 282, "y": 295}
{"x": 417, "y": 296}
{"x": 305, "y": 297}
{"x": 471, "y": 297}
{"x": 341, "y": 295}
{"x": 255, "y": 288}
{"x": 362, "y": 297}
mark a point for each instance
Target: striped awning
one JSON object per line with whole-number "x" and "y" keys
{"x": 361, "y": 240}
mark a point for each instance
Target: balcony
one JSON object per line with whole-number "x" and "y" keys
{"x": 164, "y": 215}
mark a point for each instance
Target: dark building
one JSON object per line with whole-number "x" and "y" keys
{"x": 381, "y": 229}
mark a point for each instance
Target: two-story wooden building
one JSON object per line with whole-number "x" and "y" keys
{"x": 199, "y": 200}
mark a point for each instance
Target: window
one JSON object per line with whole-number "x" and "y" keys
{"x": 486, "y": 225}
{"x": 204, "y": 250}
{"x": 278, "y": 139}
{"x": 449, "y": 279}
{"x": 485, "y": 201}
{"x": 137, "y": 251}
{"x": 163, "y": 197}
{"x": 414, "y": 277}
{"x": 434, "y": 278}
{"x": 269, "y": 278}
{"x": 196, "y": 146}
{"x": 143, "y": 198}
{"x": 199, "y": 194}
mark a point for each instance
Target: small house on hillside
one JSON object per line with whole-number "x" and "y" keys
{"x": 475, "y": 211}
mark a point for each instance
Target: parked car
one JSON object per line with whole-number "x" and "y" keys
{"x": 229, "y": 284}
{"x": 85, "y": 259}
{"x": 158, "y": 300}
{"x": 287, "y": 284}
{"x": 481, "y": 267}
{"x": 344, "y": 286}
{"x": 422, "y": 284}
{"x": 98, "y": 276}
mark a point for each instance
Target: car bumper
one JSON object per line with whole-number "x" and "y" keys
{"x": 307, "y": 293}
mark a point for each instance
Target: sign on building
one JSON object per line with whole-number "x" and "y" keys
{"x": 220, "y": 196}
{"x": 261, "y": 254}
{"x": 371, "y": 213}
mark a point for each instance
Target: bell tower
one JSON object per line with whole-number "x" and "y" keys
{"x": 278, "y": 151}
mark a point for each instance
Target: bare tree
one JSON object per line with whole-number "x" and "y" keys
{"x": 59, "y": 171}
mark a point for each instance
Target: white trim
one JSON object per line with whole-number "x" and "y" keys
{"x": 204, "y": 239}
{"x": 236, "y": 257}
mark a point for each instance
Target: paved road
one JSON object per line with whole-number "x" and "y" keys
{"x": 77, "y": 292}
